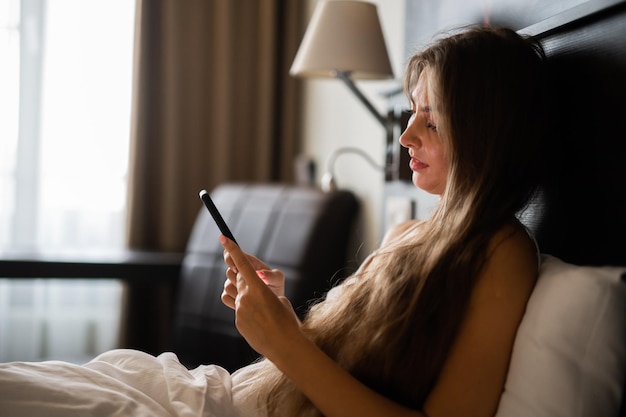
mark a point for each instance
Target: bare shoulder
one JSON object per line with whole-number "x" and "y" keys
{"x": 474, "y": 373}
{"x": 511, "y": 263}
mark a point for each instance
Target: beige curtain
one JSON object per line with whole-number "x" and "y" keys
{"x": 213, "y": 102}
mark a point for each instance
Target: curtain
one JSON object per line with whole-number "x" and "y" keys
{"x": 213, "y": 102}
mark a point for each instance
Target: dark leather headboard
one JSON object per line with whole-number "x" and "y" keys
{"x": 301, "y": 230}
{"x": 580, "y": 215}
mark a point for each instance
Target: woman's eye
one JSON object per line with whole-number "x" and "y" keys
{"x": 431, "y": 126}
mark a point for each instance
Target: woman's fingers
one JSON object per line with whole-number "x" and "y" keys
{"x": 229, "y": 294}
{"x": 256, "y": 262}
{"x": 231, "y": 274}
{"x": 274, "y": 279}
{"x": 263, "y": 316}
{"x": 241, "y": 262}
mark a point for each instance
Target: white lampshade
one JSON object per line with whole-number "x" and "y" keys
{"x": 343, "y": 36}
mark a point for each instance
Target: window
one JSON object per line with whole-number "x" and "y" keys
{"x": 9, "y": 85}
{"x": 64, "y": 130}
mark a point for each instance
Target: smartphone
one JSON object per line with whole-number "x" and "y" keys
{"x": 219, "y": 220}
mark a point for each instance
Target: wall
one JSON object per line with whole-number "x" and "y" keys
{"x": 334, "y": 118}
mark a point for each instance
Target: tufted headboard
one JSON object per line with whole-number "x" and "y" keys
{"x": 580, "y": 215}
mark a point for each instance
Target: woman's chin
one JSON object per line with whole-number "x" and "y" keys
{"x": 424, "y": 185}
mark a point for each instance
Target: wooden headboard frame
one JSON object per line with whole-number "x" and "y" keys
{"x": 580, "y": 214}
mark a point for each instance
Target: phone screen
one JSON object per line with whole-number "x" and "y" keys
{"x": 219, "y": 220}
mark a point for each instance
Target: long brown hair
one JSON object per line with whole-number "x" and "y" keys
{"x": 395, "y": 319}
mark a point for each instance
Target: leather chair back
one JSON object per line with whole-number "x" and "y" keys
{"x": 301, "y": 230}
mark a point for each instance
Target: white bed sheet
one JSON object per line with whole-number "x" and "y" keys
{"x": 118, "y": 383}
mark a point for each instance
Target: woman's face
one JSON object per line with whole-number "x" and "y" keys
{"x": 428, "y": 160}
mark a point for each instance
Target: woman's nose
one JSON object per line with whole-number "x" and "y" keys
{"x": 410, "y": 137}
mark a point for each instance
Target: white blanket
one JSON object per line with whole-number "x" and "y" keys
{"x": 117, "y": 383}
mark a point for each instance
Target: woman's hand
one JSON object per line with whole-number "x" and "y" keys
{"x": 265, "y": 319}
{"x": 271, "y": 327}
{"x": 273, "y": 278}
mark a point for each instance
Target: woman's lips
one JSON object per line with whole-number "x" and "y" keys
{"x": 416, "y": 165}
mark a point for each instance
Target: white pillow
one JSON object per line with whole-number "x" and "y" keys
{"x": 569, "y": 356}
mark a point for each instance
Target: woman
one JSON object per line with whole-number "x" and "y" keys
{"x": 428, "y": 322}
{"x": 426, "y": 326}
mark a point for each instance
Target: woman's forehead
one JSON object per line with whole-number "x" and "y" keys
{"x": 420, "y": 92}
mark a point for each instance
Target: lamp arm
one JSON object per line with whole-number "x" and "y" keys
{"x": 349, "y": 149}
{"x": 345, "y": 77}
{"x": 391, "y": 122}
{"x": 328, "y": 179}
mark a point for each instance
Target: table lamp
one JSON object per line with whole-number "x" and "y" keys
{"x": 344, "y": 40}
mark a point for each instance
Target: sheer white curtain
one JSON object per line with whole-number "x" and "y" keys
{"x": 64, "y": 127}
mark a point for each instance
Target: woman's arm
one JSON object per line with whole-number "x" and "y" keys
{"x": 270, "y": 326}
{"x": 335, "y": 392}
{"x": 473, "y": 376}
